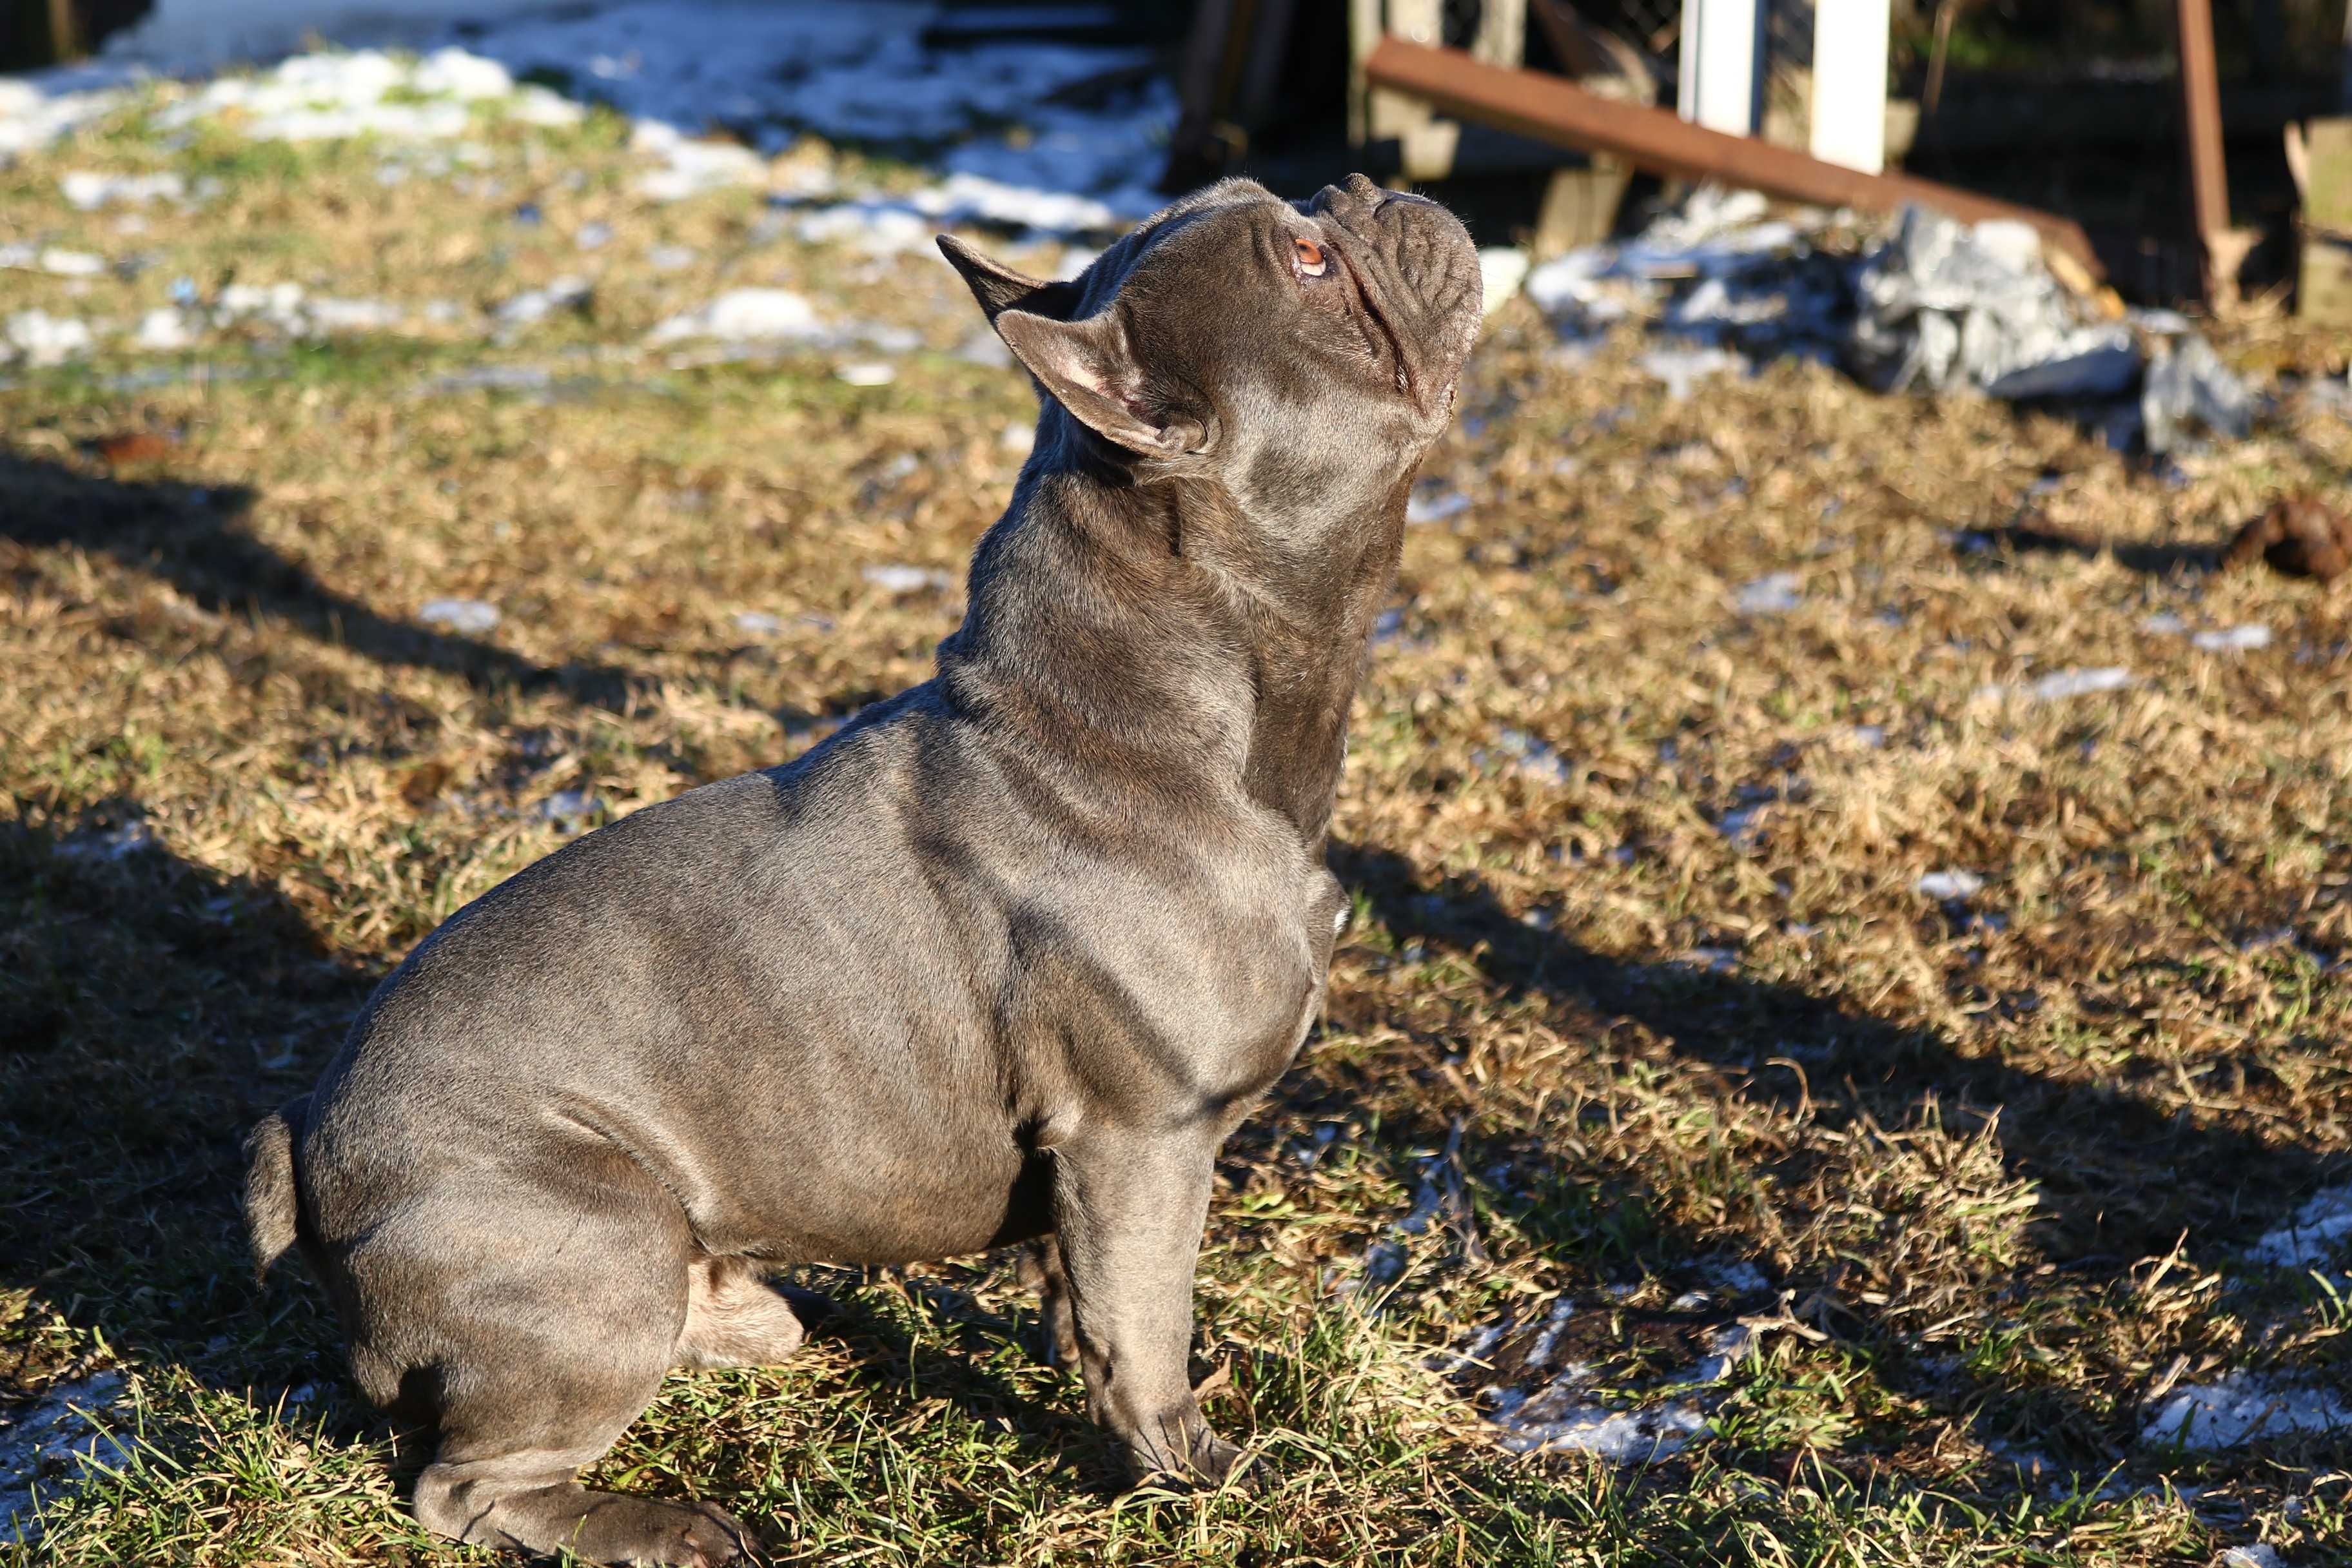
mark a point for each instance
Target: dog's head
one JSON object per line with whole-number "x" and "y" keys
{"x": 1304, "y": 352}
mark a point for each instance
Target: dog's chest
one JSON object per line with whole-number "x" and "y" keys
{"x": 1195, "y": 993}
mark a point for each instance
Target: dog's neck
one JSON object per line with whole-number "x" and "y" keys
{"x": 1155, "y": 634}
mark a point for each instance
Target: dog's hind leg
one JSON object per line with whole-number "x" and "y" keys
{"x": 733, "y": 1317}
{"x": 544, "y": 1317}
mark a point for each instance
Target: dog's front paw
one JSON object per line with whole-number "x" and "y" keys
{"x": 1209, "y": 1462}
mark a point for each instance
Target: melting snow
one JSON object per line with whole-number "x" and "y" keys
{"x": 1682, "y": 369}
{"x": 1558, "y": 1416}
{"x": 1772, "y": 595}
{"x": 1530, "y": 756}
{"x": 52, "y": 259}
{"x": 89, "y": 190}
{"x": 471, "y": 616}
{"x": 895, "y": 579}
{"x": 2318, "y": 1230}
{"x": 164, "y": 329}
{"x": 41, "y": 338}
{"x": 2241, "y": 1408}
{"x": 2233, "y": 640}
{"x": 1434, "y": 503}
{"x": 2060, "y": 685}
{"x": 1952, "y": 884}
{"x": 1501, "y": 271}
{"x": 535, "y": 305}
{"x": 765, "y": 315}
{"x": 53, "y": 1443}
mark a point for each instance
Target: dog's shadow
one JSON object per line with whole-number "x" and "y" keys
{"x": 196, "y": 537}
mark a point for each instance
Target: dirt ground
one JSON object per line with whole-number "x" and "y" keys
{"x": 1849, "y": 979}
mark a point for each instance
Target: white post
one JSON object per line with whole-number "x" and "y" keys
{"x": 1723, "y": 65}
{"x": 1850, "y": 83}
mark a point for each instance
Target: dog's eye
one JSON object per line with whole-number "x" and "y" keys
{"x": 1309, "y": 256}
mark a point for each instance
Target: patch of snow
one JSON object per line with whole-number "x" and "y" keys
{"x": 165, "y": 330}
{"x": 1434, "y": 501}
{"x": 690, "y": 167}
{"x": 2242, "y": 1408}
{"x": 1738, "y": 1277}
{"x": 1501, "y": 271}
{"x": 593, "y": 236}
{"x": 1621, "y": 1436}
{"x": 1871, "y": 735}
{"x": 43, "y": 340}
{"x": 1681, "y": 369}
{"x": 2317, "y": 1231}
{"x": 90, "y": 190}
{"x": 758, "y": 623}
{"x": 2060, "y": 685}
{"x": 118, "y": 842}
{"x": 1531, "y": 757}
{"x": 764, "y": 315}
{"x": 53, "y": 260}
{"x": 570, "y": 810}
{"x": 1017, "y": 438}
{"x": 535, "y": 305}
{"x": 892, "y": 578}
{"x": 51, "y": 1444}
{"x": 2233, "y": 640}
{"x": 335, "y": 96}
{"x": 878, "y": 228}
{"x": 1775, "y": 595}
{"x": 2068, "y": 683}
{"x": 2164, "y": 622}
{"x": 34, "y": 113}
{"x": 867, "y": 373}
{"x": 1726, "y": 1347}
{"x": 1951, "y": 884}
{"x": 2259, "y": 1555}
{"x": 352, "y": 315}
{"x": 470, "y": 617}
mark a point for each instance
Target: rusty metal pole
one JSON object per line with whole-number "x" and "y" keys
{"x": 1548, "y": 108}
{"x": 2200, "y": 124}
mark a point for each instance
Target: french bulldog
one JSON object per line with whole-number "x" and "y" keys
{"x": 1005, "y": 960}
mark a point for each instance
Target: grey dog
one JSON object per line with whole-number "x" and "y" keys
{"x": 1005, "y": 960}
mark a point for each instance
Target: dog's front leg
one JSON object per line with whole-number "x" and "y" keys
{"x": 1129, "y": 1207}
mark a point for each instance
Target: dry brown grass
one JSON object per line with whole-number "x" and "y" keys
{"x": 2002, "y": 1156}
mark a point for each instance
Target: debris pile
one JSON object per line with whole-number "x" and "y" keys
{"x": 1935, "y": 305}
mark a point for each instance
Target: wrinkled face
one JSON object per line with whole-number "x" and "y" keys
{"x": 1305, "y": 352}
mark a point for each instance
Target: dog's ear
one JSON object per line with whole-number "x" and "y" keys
{"x": 1089, "y": 368}
{"x": 998, "y": 288}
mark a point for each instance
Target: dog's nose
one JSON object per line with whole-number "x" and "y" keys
{"x": 1359, "y": 194}
{"x": 1356, "y": 191}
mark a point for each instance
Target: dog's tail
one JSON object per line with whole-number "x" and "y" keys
{"x": 272, "y": 1208}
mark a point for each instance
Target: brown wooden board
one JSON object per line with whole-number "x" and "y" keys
{"x": 1548, "y": 108}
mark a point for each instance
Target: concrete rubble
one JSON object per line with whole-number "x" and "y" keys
{"x": 1935, "y": 305}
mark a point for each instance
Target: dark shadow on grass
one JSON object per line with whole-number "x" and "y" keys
{"x": 2031, "y": 537}
{"x": 2109, "y": 1163}
{"x": 194, "y": 537}
{"x": 2120, "y": 1178}
{"x": 150, "y": 1012}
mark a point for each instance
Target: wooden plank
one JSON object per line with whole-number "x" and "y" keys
{"x": 1547, "y": 108}
{"x": 1722, "y": 55}
{"x": 2200, "y": 117}
{"x": 1850, "y": 38}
